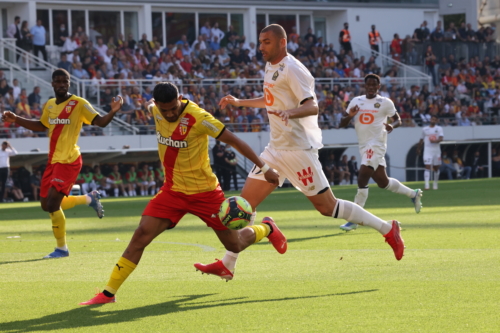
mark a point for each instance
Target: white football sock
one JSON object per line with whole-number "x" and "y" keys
{"x": 64, "y": 248}
{"x": 230, "y": 258}
{"x": 361, "y": 196}
{"x": 116, "y": 192}
{"x": 427, "y": 176}
{"x": 396, "y": 187}
{"x": 356, "y": 214}
{"x": 436, "y": 177}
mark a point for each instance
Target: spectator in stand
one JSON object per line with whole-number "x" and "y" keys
{"x": 343, "y": 167}
{"x": 216, "y": 32}
{"x": 218, "y": 161}
{"x": 88, "y": 184}
{"x": 65, "y": 64}
{"x": 345, "y": 38}
{"x": 101, "y": 181}
{"x": 14, "y": 32}
{"x": 430, "y": 62}
{"x": 353, "y": 168}
{"x": 206, "y": 30}
{"x": 447, "y": 165}
{"x": 23, "y": 108}
{"x": 6, "y": 151}
{"x": 396, "y": 48}
{"x": 79, "y": 72}
{"x": 437, "y": 34}
{"x": 293, "y": 44}
{"x": 35, "y": 97}
{"x": 471, "y": 34}
{"x": 477, "y": 168}
{"x": 451, "y": 34}
{"x": 374, "y": 39}
{"x": 131, "y": 43}
{"x": 147, "y": 180}
{"x": 12, "y": 189}
{"x": 422, "y": 33}
{"x": 495, "y": 163}
{"x": 38, "y": 32}
{"x": 26, "y": 42}
{"x": 462, "y": 170}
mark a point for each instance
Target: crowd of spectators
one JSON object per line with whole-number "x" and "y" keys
{"x": 463, "y": 93}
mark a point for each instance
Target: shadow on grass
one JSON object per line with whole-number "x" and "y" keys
{"x": 20, "y": 261}
{"x": 88, "y": 316}
{"x": 304, "y": 239}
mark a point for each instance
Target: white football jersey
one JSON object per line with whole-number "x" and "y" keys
{"x": 433, "y": 133}
{"x": 370, "y": 119}
{"x": 286, "y": 85}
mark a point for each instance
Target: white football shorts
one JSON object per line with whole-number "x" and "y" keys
{"x": 432, "y": 158}
{"x": 301, "y": 167}
{"x": 372, "y": 156}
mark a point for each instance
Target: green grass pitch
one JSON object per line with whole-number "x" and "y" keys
{"x": 328, "y": 281}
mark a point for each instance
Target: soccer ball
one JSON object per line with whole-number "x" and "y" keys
{"x": 235, "y": 213}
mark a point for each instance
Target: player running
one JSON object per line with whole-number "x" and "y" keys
{"x": 293, "y": 149}
{"x": 432, "y": 136}
{"x": 64, "y": 116}
{"x": 182, "y": 130}
{"x": 370, "y": 113}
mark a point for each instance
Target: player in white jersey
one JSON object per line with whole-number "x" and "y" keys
{"x": 432, "y": 135}
{"x": 369, "y": 113}
{"x": 293, "y": 149}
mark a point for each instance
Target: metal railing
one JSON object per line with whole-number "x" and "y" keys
{"x": 416, "y": 55}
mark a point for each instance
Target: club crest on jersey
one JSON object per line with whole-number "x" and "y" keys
{"x": 377, "y": 105}
{"x": 183, "y": 126}
{"x": 68, "y": 109}
{"x": 275, "y": 76}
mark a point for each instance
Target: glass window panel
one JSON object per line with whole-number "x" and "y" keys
{"x": 320, "y": 27}
{"x": 179, "y": 24}
{"x": 305, "y": 24}
{"x": 286, "y": 21}
{"x": 221, "y": 19}
{"x": 156, "y": 18}
{"x": 105, "y": 24}
{"x": 261, "y": 23}
{"x": 60, "y": 26}
{"x": 78, "y": 22}
{"x": 237, "y": 23}
{"x": 43, "y": 14}
{"x": 131, "y": 24}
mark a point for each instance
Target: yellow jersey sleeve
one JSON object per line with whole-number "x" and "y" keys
{"x": 207, "y": 124}
{"x": 44, "y": 119}
{"x": 87, "y": 112}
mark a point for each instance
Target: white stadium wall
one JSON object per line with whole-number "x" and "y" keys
{"x": 399, "y": 142}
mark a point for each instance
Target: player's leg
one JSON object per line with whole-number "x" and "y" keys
{"x": 394, "y": 185}
{"x": 436, "y": 162}
{"x": 149, "y": 228}
{"x": 427, "y": 176}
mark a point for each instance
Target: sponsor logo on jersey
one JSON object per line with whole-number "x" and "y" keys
{"x": 377, "y": 105}
{"x": 57, "y": 121}
{"x": 169, "y": 142}
{"x": 275, "y": 76}
{"x": 307, "y": 175}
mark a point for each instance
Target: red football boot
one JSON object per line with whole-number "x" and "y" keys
{"x": 394, "y": 239}
{"x": 276, "y": 237}
{"x": 216, "y": 268}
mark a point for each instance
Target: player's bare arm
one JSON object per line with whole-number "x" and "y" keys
{"x": 250, "y": 103}
{"x": 243, "y": 148}
{"x": 351, "y": 113}
{"x": 103, "y": 121}
{"x": 419, "y": 147}
{"x": 34, "y": 125}
{"x": 396, "y": 122}
{"x": 308, "y": 108}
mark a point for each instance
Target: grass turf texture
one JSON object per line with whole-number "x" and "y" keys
{"x": 328, "y": 281}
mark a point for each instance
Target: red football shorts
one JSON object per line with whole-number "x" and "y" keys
{"x": 172, "y": 205}
{"x": 60, "y": 176}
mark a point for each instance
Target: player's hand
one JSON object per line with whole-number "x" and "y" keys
{"x": 116, "y": 104}
{"x": 149, "y": 104}
{"x": 228, "y": 100}
{"x": 388, "y": 128}
{"x": 353, "y": 111}
{"x": 281, "y": 113}
{"x": 272, "y": 177}
{"x": 9, "y": 117}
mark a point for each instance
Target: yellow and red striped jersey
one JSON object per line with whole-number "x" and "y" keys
{"x": 64, "y": 122}
{"x": 183, "y": 149}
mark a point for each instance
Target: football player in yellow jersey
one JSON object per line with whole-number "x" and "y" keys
{"x": 63, "y": 116}
{"x": 182, "y": 130}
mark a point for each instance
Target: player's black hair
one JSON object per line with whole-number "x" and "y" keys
{"x": 5, "y": 143}
{"x": 372, "y": 76}
{"x": 165, "y": 92}
{"x": 275, "y": 29}
{"x": 60, "y": 71}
